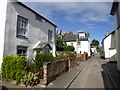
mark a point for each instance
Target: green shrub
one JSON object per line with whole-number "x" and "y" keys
{"x": 69, "y": 48}
{"x": 30, "y": 79}
{"x": 13, "y": 67}
{"x": 42, "y": 57}
{"x": 30, "y": 65}
{"x": 60, "y": 55}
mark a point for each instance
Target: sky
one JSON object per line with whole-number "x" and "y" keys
{"x": 91, "y": 17}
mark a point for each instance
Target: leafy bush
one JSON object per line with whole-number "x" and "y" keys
{"x": 60, "y": 55}
{"x": 13, "y": 67}
{"x": 69, "y": 48}
{"x": 30, "y": 65}
{"x": 42, "y": 57}
{"x": 30, "y": 79}
{"x": 70, "y": 55}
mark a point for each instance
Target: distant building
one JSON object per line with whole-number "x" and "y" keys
{"x": 27, "y": 32}
{"x": 80, "y": 41}
{"x": 94, "y": 50}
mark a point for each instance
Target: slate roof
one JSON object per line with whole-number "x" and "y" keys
{"x": 114, "y": 7}
{"x": 74, "y": 37}
{"x": 43, "y": 45}
{"x": 107, "y": 36}
{"x": 25, "y": 6}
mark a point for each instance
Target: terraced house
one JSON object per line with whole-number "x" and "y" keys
{"x": 115, "y": 12}
{"x": 109, "y": 46}
{"x": 80, "y": 41}
{"x": 27, "y": 32}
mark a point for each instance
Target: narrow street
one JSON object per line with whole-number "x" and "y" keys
{"x": 90, "y": 76}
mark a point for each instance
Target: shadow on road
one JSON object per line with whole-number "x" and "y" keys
{"x": 111, "y": 76}
{"x": 4, "y": 88}
{"x": 106, "y": 80}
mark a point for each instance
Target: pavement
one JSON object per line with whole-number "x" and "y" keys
{"x": 67, "y": 78}
{"x": 62, "y": 81}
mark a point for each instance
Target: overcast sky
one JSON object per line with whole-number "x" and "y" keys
{"x": 91, "y": 17}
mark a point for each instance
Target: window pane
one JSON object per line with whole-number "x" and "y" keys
{"x": 49, "y": 35}
{"x": 22, "y": 26}
{"x": 39, "y": 18}
{"x": 22, "y": 50}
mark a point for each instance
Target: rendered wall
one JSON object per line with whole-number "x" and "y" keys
{"x": 37, "y": 31}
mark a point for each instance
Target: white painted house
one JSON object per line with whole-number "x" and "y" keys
{"x": 94, "y": 50}
{"x": 27, "y": 32}
{"x": 115, "y": 12}
{"x": 80, "y": 41}
{"x": 109, "y": 46}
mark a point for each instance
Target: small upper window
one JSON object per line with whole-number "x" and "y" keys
{"x": 39, "y": 18}
{"x": 82, "y": 37}
{"x": 22, "y": 24}
{"x": 49, "y": 35}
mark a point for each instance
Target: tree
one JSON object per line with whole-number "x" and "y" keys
{"x": 69, "y": 48}
{"x": 95, "y": 43}
{"x": 59, "y": 41}
{"x": 68, "y": 33}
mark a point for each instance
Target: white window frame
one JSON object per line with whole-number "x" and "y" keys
{"x": 51, "y": 35}
{"x": 22, "y": 26}
{"x": 22, "y": 48}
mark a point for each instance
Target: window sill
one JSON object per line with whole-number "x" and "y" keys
{"x": 21, "y": 36}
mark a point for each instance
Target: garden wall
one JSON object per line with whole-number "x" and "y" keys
{"x": 51, "y": 70}
{"x": 82, "y": 57}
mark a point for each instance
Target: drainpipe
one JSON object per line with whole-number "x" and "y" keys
{"x": 54, "y": 45}
{"x": 77, "y": 46}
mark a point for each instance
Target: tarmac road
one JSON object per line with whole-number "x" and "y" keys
{"x": 90, "y": 76}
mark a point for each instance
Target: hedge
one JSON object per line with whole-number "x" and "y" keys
{"x": 13, "y": 67}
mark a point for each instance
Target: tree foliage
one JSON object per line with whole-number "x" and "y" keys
{"x": 95, "y": 43}
{"x": 60, "y": 41}
{"x": 69, "y": 48}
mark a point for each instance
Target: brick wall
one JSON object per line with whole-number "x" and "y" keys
{"x": 51, "y": 70}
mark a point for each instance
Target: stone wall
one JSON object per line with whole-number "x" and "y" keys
{"x": 51, "y": 70}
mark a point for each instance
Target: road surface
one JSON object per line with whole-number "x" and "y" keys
{"x": 90, "y": 76}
